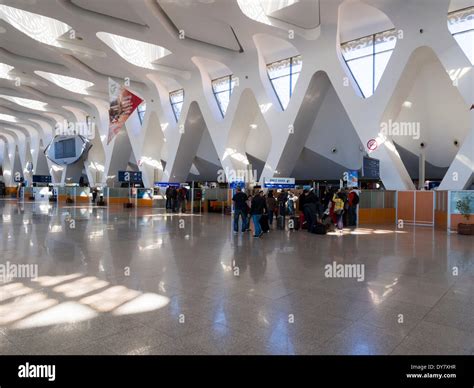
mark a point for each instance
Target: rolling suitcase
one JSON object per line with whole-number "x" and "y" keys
{"x": 294, "y": 223}
{"x": 264, "y": 223}
{"x": 281, "y": 222}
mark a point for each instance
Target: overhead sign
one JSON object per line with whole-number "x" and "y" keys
{"x": 279, "y": 183}
{"x": 42, "y": 179}
{"x": 122, "y": 105}
{"x": 236, "y": 184}
{"x": 130, "y": 176}
{"x": 166, "y": 184}
{"x": 371, "y": 168}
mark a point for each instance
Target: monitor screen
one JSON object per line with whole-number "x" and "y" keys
{"x": 371, "y": 168}
{"x": 65, "y": 149}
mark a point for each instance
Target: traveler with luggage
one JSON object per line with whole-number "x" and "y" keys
{"x": 338, "y": 206}
{"x": 174, "y": 199}
{"x": 240, "y": 210}
{"x": 271, "y": 206}
{"x": 259, "y": 207}
{"x": 353, "y": 200}
{"x": 282, "y": 199}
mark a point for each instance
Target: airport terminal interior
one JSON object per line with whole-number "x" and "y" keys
{"x": 236, "y": 177}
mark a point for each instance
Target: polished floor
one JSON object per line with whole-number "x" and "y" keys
{"x": 115, "y": 281}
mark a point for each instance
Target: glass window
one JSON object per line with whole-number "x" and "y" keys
{"x": 176, "y": 100}
{"x": 141, "y": 109}
{"x": 222, "y": 88}
{"x": 461, "y": 26}
{"x": 368, "y": 57}
{"x": 283, "y": 76}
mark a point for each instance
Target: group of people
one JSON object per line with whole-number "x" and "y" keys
{"x": 176, "y": 198}
{"x": 335, "y": 209}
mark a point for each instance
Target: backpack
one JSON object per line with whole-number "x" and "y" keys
{"x": 355, "y": 200}
{"x": 338, "y": 205}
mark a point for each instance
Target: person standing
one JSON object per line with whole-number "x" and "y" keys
{"x": 240, "y": 210}
{"x": 182, "y": 199}
{"x": 259, "y": 207}
{"x": 174, "y": 199}
{"x": 168, "y": 197}
{"x": 353, "y": 203}
{"x": 271, "y": 206}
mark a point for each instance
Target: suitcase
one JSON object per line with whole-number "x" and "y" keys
{"x": 281, "y": 222}
{"x": 318, "y": 229}
{"x": 294, "y": 223}
{"x": 264, "y": 223}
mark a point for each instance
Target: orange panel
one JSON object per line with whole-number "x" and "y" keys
{"x": 441, "y": 219}
{"x": 376, "y": 216}
{"x": 459, "y": 219}
{"x": 144, "y": 202}
{"x": 406, "y": 206}
{"x": 424, "y": 206}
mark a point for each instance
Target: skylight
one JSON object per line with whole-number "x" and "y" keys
{"x": 4, "y": 69}
{"x": 26, "y": 102}
{"x": 9, "y": 118}
{"x": 40, "y": 28}
{"x": 136, "y": 52}
{"x": 74, "y": 85}
{"x": 461, "y": 26}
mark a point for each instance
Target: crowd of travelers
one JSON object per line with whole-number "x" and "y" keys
{"x": 333, "y": 210}
{"x": 176, "y": 198}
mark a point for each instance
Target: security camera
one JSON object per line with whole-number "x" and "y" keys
{"x": 456, "y": 143}
{"x": 421, "y": 30}
{"x": 422, "y": 145}
{"x": 334, "y": 150}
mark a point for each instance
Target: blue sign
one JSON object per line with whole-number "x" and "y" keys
{"x": 279, "y": 183}
{"x": 130, "y": 176}
{"x": 236, "y": 184}
{"x": 166, "y": 184}
{"x": 42, "y": 179}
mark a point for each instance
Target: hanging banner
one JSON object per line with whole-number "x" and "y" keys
{"x": 122, "y": 105}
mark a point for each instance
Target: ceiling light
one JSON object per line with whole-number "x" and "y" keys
{"x": 136, "y": 52}
{"x": 407, "y": 104}
{"x": 253, "y": 126}
{"x": 26, "y": 102}
{"x": 9, "y": 118}
{"x": 38, "y": 27}
{"x": 74, "y": 85}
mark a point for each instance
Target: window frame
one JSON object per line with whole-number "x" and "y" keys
{"x": 176, "y": 103}
{"x": 290, "y": 76}
{"x": 373, "y": 55}
{"x": 229, "y": 90}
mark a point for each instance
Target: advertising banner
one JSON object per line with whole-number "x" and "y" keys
{"x": 122, "y": 105}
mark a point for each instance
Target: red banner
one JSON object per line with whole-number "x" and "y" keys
{"x": 122, "y": 105}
